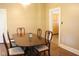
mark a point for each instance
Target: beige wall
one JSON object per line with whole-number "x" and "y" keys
{"x": 31, "y": 17}
{"x": 69, "y": 31}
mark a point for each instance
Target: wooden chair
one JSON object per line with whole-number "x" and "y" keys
{"x": 12, "y": 42}
{"x": 39, "y": 33}
{"x": 46, "y": 47}
{"x": 12, "y": 51}
{"x": 20, "y": 31}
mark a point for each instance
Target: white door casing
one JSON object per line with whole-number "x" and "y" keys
{"x": 51, "y": 12}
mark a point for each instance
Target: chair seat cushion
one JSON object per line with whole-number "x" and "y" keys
{"x": 13, "y": 44}
{"x": 41, "y": 48}
{"x": 15, "y": 51}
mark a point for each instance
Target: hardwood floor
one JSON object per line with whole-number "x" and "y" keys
{"x": 55, "y": 50}
{"x": 2, "y": 50}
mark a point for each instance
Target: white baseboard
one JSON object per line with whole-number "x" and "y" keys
{"x": 75, "y": 51}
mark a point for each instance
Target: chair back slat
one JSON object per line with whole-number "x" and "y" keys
{"x": 9, "y": 39}
{"x": 48, "y": 37}
{"x": 39, "y": 33}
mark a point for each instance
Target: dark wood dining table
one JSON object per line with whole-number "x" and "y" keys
{"x": 26, "y": 41}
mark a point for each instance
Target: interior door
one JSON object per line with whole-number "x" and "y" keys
{"x": 3, "y": 23}
{"x": 54, "y": 19}
{"x": 55, "y": 23}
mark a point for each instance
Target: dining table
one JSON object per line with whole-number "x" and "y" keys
{"x": 28, "y": 40}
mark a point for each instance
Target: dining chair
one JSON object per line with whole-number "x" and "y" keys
{"x": 45, "y": 47}
{"x": 15, "y": 51}
{"x": 39, "y": 33}
{"x": 20, "y": 31}
{"x": 12, "y": 42}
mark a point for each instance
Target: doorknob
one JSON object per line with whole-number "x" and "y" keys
{"x": 61, "y": 22}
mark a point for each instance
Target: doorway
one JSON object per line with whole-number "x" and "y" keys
{"x": 54, "y": 24}
{"x": 3, "y": 23}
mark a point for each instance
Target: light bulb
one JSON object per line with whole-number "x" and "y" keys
{"x": 25, "y": 3}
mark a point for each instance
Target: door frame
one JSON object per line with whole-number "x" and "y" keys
{"x": 55, "y": 10}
